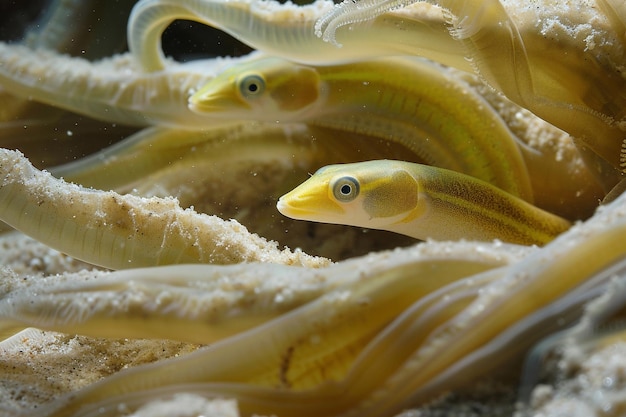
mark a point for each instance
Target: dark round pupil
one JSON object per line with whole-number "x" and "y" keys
{"x": 345, "y": 189}
{"x": 253, "y": 87}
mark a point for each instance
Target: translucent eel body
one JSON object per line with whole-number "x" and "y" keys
{"x": 115, "y": 231}
{"x": 358, "y": 298}
{"x": 112, "y": 89}
{"x": 287, "y": 30}
{"x": 410, "y": 101}
{"x": 378, "y": 335}
{"x": 201, "y": 306}
{"x": 420, "y": 201}
{"x": 578, "y": 88}
{"x": 615, "y": 11}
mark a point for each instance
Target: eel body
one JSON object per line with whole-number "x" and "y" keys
{"x": 405, "y": 100}
{"x": 420, "y": 201}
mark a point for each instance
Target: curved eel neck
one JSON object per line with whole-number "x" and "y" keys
{"x": 439, "y": 118}
{"x": 436, "y": 116}
{"x": 288, "y": 31}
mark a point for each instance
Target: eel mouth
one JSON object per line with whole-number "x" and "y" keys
{"x": 287, "y": 208}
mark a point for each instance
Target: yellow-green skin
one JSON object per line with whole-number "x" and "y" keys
{"x": 405, "y": 100}
{"x": 419, "y": 201}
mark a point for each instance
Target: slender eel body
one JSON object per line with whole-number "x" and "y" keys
{"x": 120, "y": 231}
{"x": 405, "y": 100}
{"x": 420, "y": 201}
{"x": 288, "y": 30}
{"x": 111, "y": 89}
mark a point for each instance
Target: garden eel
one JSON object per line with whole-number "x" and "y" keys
{"x": 419, "y": 201}
{"x": 405, "y": 100}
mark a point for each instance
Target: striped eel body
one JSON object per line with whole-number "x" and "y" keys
{"x": 405, "y": 100}
{"x": 419, "y": 201}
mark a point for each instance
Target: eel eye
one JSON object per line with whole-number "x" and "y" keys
{"x": 346, "y": 189}
{"x": 251, "y": 86}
